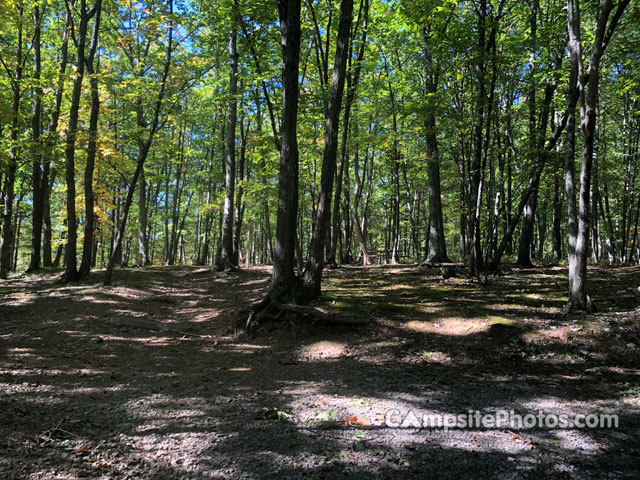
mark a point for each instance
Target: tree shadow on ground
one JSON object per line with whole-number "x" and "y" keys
{"x": 82, "y": 397}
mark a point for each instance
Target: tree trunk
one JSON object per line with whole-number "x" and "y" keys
{"x": 352, "y": 80}
{"x": 579, "y": 232}
{"x": 6, "y": 242}
{"x": 39, "y": 180}
{"x": 71, "y": 272}
{"x": 227, "y": 260}
{"x": 46, "y": 230}
{"x": 263, "y": 179}
{"x": 283, "y": 280}
{"x": 143, "y": 241}
{"x": 437, "y": 245}
{"x": 315, "y": 263}
{"x": 92, "y": 147}
{"x": 557, "y": 220}
{"x": 475, "y": 172}
{"x": 240, "y": 190}
{"x": 155, "y": 125}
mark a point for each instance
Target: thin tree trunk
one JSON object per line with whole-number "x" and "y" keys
{"x": 240, "y": 190}
{"x": 143, "y": 242}
{"x": 92, "y": 147}
{"x": 578, "y": 297}
{"x": 6, "y": 242}
{"x": 155, "y": 125}
{"x": 38, "y": 177}
{"x": 352, "y": 80}
{"x": 557, "y": 220}
{"x": 227, "y": 260}
{"x": 437, "y": 245}
{"x": 315, "y": 263}
{"x": 263, "y": 179}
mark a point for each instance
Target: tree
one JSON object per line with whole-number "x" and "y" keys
{"x": 284, "y": 284}
{"x": 144, "y": 145}
{"x": 38, "y": 175}
{"x": 584, "y": 90}
{"x": 79, "y": 35}
{"x": 352, "y": 80}
{"x": 312, "y": 276}
{"x": 14, "y": 75}
{"x": 227, "y": 259}
{"x": 92, "y": 147}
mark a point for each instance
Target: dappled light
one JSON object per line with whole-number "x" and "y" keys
{"x": 91, "y": 397}
{"x": 375, "y": 239}
{"x": 321, "y": 350}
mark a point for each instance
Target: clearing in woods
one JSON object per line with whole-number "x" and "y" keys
{"x": 86, "y": 392}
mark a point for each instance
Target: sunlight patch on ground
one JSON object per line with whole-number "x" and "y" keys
{"x": 20, "y": 352}
{"x": 154, "y": 340}
{"x": 577, "y": 440}
{"x": 198, "y": 315}
{"x": 18, "y": 299}
{"x": 499, "y": 442}
{"x": 400, "y": 286}
{"x": 324, "y": 349}
{"x": 151, "y": 409}
{"x": 557, "y": 333}
{"x": 25, "y": 387}
{"x": 93, "y": 299}
{"x": 456, "y": 326}
{"x": 248, "y": 348}
{"x": 432, "y": 357}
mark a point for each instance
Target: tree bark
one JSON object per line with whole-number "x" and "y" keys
{"x": 240, "y": 190}
{"x": 352, "y": 80}
{"x": 579, "y": 221}
{"x": 437, "y": 251}
{"x": 313, "y": 269}
{"x": 6, "y": 241}
{"x": 227, "y": 260}
{"x": 71, "y": 272}
{"x": 143, "y": 242}
{"x": 283, "y": 281}
{"x": 557, "y": 220}
{"x": 154, "y": 126}
{"x": 38, "y": 173}
{"x": 92, "y": 147}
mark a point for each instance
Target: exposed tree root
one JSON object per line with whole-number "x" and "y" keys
{"x": 572, "y": 307}
{"x": 525, "y": 265}
{"x": 267, "y": 310}
{"x": 227, "y": 268}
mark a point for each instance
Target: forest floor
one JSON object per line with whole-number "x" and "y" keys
{"x": 83, "y": 395}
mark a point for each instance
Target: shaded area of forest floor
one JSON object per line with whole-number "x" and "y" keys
{"x": 81, "y": 397}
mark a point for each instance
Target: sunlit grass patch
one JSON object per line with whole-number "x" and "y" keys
{"x": 495, "y": 319}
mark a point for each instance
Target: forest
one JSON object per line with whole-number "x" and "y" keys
{"x": 237, "y": 236}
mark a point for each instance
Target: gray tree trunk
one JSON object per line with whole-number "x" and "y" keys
{"x": 227, "y": 260}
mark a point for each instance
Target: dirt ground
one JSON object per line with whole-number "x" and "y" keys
{"x": 82, "y": 395}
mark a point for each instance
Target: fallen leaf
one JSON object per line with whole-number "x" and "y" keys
{"x": 354, "y": 421}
